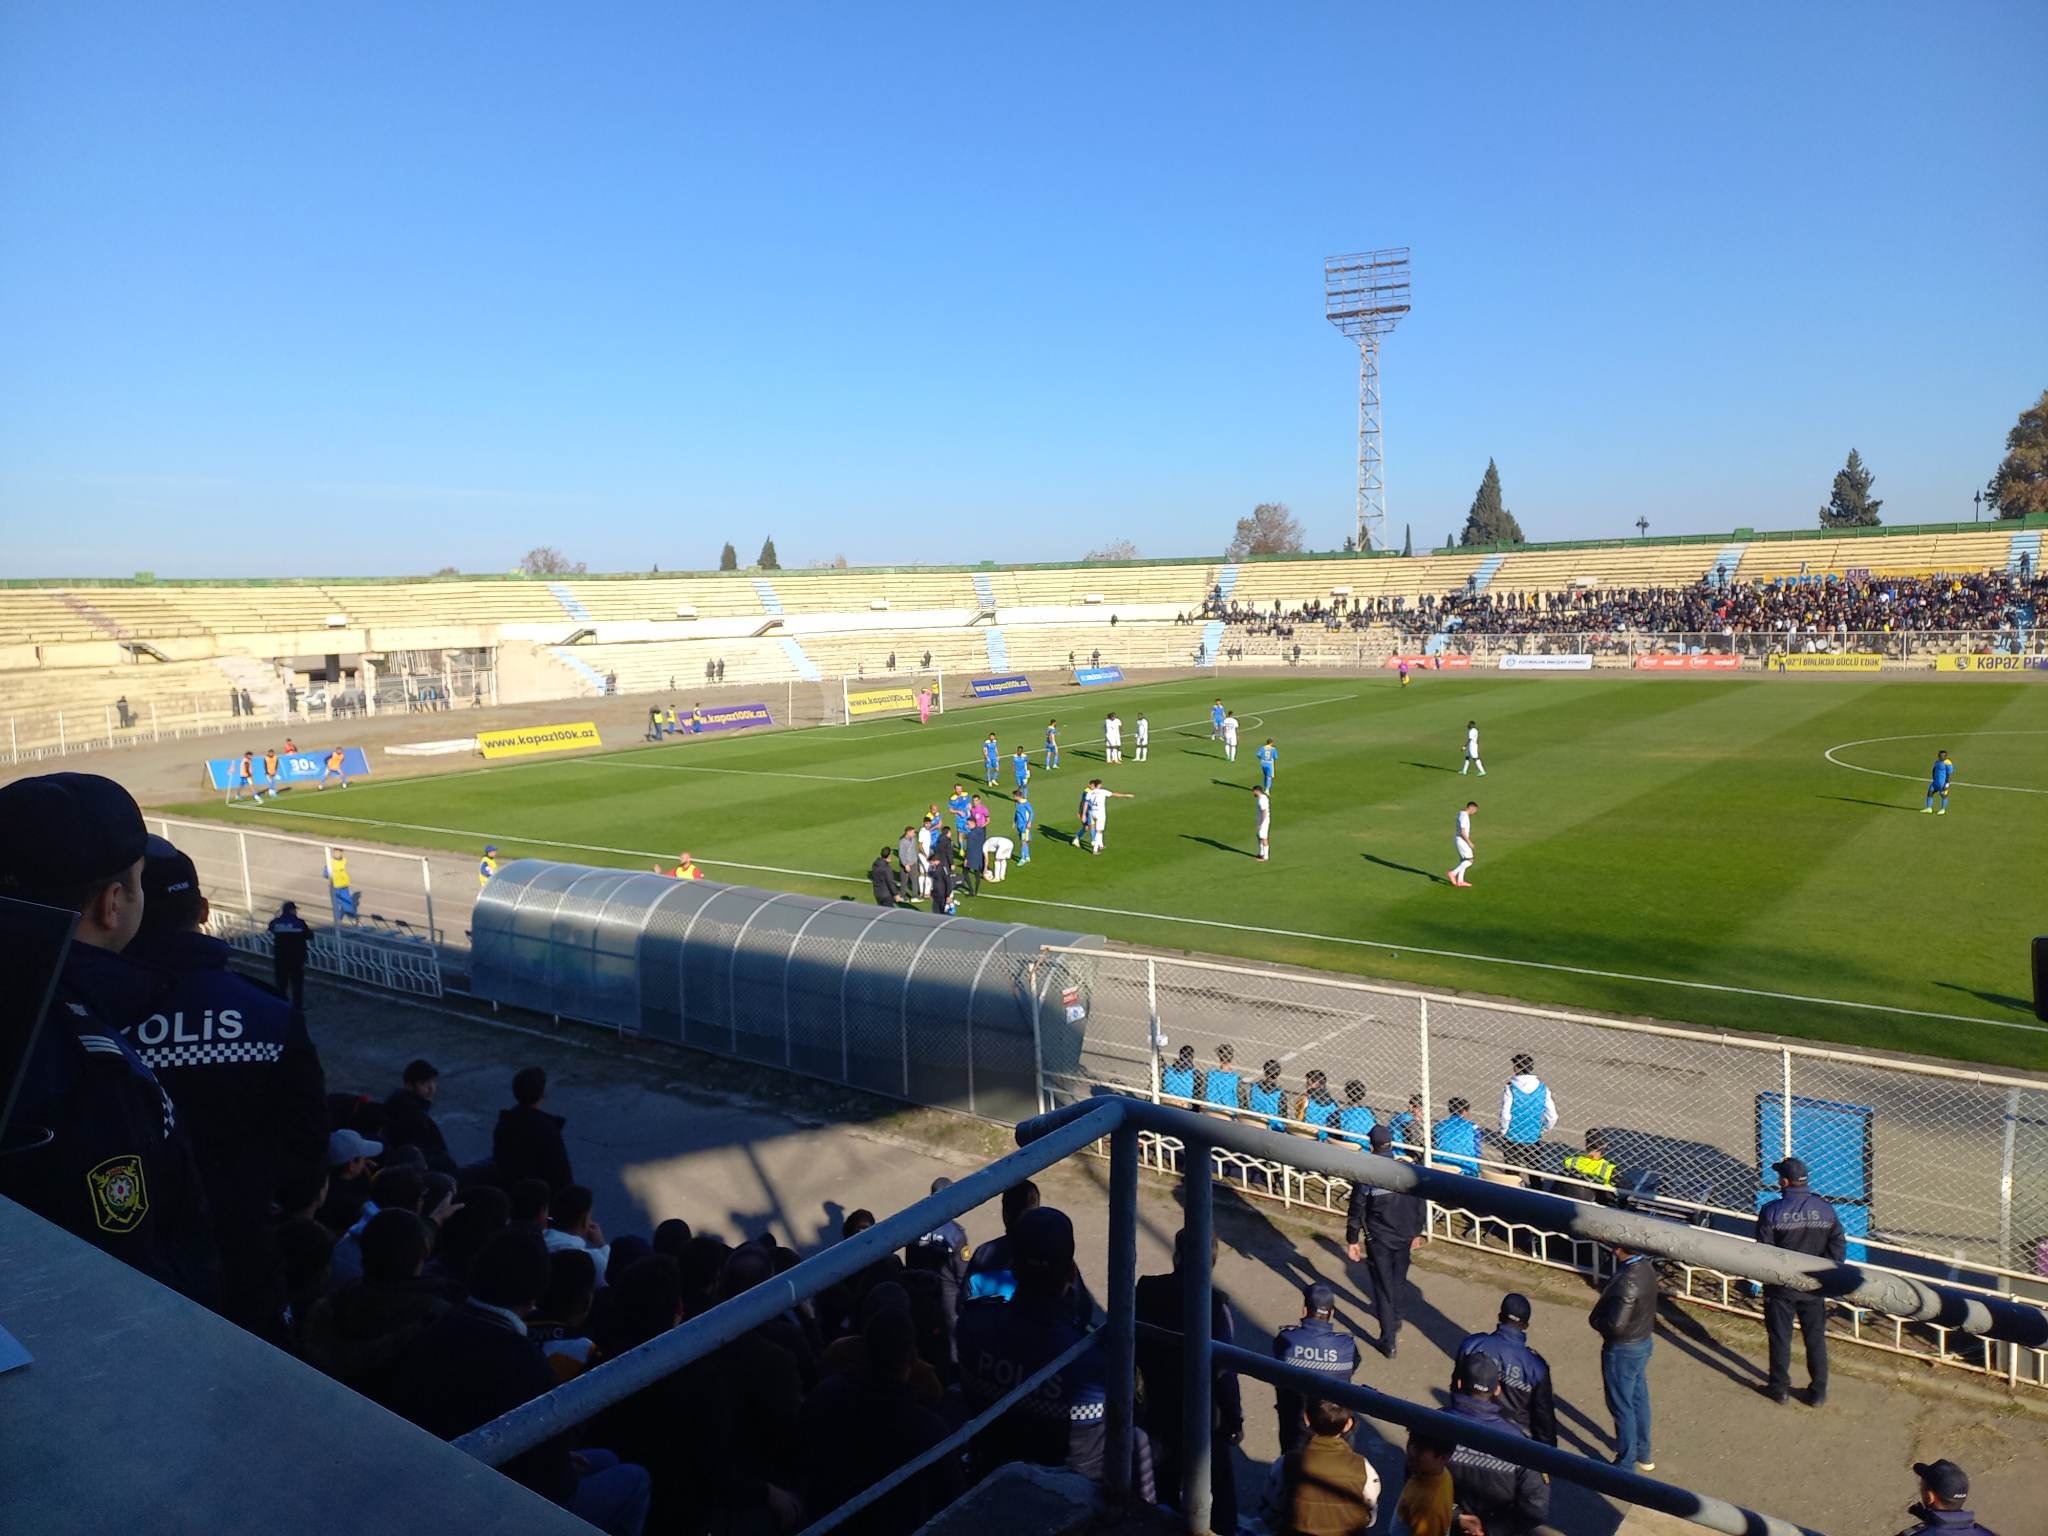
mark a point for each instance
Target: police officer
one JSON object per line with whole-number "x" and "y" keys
{"x": 235, "y": 1058}
{"x": 1526, "y": 1398}
{"x": 290, "y": 937}
{"x": 1504, "y": 1497}
{"x": 1316, "y": 1344}
{"x": 1389, "y": 1225}
{"x": 1804, "y": 1223}
{"x": 108, "y": 1159}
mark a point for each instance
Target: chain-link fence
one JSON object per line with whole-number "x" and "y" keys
{"x": 1930, "y": 1166}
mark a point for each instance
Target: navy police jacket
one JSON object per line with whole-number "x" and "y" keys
{"x": 1313, "y": 1344}
{"x": 1001, "y": 1344}
{"x": 1526, "y": 1398}
{"x": 1799, "y": 1220}
{"x": 117, "y": 1169}
{"x": 236, "y": 1059}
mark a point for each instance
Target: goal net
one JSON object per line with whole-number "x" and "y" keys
{"x": 906, "y": 693}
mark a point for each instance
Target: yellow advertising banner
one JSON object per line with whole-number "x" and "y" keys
{"x": 526, "y": 740}
{"x": 1991, "y": 663}
{"x": 1849, "y": 661}
{"x": 880, "y": 701}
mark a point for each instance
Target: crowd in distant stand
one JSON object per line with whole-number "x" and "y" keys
{"x": 182, "y": 1122}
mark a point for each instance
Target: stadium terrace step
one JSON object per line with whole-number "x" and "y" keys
{"x": 998, "y": 649}
{"x": 1729, "y": 560}
{"x": 1212, "y": 632}
{"x": 984, "y": 589}
{"x": 92, "y": 614}
{"x": 806, "y": 669}
{"x": 765, "y": 590}
{"x": 2025, "y": 544}
{"x": 579, "y": 666}
{"x": 1226, "y": 583}
{"x": 570, "y": 604}
{"x": 1485, "y": 573}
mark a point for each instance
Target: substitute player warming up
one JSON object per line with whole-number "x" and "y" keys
{"x": 1463, "y": 843}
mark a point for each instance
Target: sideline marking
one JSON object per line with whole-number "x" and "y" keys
{"x": 1914, "y": 778}
{"x": 1210, "y": 922}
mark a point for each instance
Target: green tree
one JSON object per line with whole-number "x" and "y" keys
{"x": 728, "y": 557}
{"x": 2021, "y": 485}
{"x": 1270, "y": 530}
{"x": 768, "y": 562}
{"x": 1407, "y": 542}
{"x": 1851, "y": 504}
{"x": 1489, "y": 522}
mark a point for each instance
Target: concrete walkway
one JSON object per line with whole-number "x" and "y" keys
{"x": 658, "y": 1132}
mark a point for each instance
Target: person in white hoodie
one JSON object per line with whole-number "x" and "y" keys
{"x": 573, "y": 1224}
{"x": 1528, "y": 1109}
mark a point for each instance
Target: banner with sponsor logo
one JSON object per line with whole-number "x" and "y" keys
{"x": 880, "y": 701}
{"x": 998, "y": 687}
{"x": 1688, "y": 663}
{"x": 1848, "y": 661}
{"x": 1089, "y": 677}
{"x": 292, "y": 768}
{"x": 1991, "y": 663}
{"x": 1576, "y": 662}
{"x": 725, "y": 717}
{"x": 1430, "y": 663}
{"x": 527, "y": 740}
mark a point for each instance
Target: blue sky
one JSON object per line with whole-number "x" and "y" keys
{"x": 378, "y": 287}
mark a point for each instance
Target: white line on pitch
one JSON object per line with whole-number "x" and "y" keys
{"x": 1210, "y": 922}
{"x": 1914, "y": 778}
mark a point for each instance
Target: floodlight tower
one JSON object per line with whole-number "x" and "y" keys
{"x": 1365, "y": 296}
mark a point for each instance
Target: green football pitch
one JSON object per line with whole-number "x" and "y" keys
{"x": 1747, "y": 853}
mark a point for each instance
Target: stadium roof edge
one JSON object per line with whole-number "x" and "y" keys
{"x": 1747, "y": 536}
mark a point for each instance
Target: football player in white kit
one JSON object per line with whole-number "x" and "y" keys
{"x": 1230, "y": 737}
{"x": 1262, "y": 815}
{"x": 1472, "y": 750}
{"x": 1112, "y": 739}
{"x": 1098, "y": 810}
{"x": 1463, "y": 842}
{"x": 1144, "y": 736}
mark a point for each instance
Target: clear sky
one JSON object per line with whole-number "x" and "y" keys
{"x": 379, "y": 287}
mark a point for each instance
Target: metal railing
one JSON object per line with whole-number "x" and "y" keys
{"x": 1051, "y": 1138}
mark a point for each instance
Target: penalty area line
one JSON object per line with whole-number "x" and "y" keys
{"x": 1209, "y": 922}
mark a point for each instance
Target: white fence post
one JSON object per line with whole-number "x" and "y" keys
{"x": 110, "y": 723}
{"x": 1152, "y": 1013}
{"x": 153, "y": 736}
{"x": 60, "y": 733}
{"x": 248, "y": 891}
{"x": 2012, "y": 1121}
{"x": 1428, "y": 1100}
{"x": 1785, "y": 1103}
{"x": 427, "y": 887}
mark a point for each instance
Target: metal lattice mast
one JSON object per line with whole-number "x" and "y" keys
{"x": 1365, "y": 296}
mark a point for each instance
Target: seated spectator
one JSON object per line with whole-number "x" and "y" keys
{"x": 848, "y": 1355}
{"x": 409, "y": 1118}
{"x": 561, "y": 1321}
{"x": 861, "y": 1425}
{"x": 989, "y": 1272}
{"x": 482, "y": 1213}
{"x": 572, "y": 1224}
{"x": 527, "y": 1143}
{"x": 943, "y": 1251}
{"x": 1002, "y": 1342}
{"x": 393, "y": 1189}
{"x": 304, "y": 1250}
{"x": 703, "y": 1264}
{"x": 672, "y": 1237}
{"x": 478, "y": 1362}
{"x": 530, "y": 1199}
{"x": 359, "y": 1334}
{"x": 303, "y": 1194}
{"x": 1428, "y": 1503}
{"x": 1324, "y": 1488}
{"x": 348, "y": 1178}
{"x": 1509, "y": 1500}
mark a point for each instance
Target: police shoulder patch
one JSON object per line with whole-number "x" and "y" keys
{"x": 120, "y": 1198}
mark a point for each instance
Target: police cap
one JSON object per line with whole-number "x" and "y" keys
{"x": 166, "y": 871}
{"x": 1318, "y": 1299}
{"x": 64, "y": 829}
{"x": 1043, "y": 1238}
{"x": 1791, "y": 1170}
{"x": 1479, "y": 1373}
{"x": 1381, "y": 1137}
{"x": 1514, "y": 1308}
{"x": 1943, "y": 1478}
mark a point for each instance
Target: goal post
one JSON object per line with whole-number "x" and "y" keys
{"x": 879, "y": 698}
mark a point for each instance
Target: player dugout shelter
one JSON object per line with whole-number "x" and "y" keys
{"x": 949, "y": 1011}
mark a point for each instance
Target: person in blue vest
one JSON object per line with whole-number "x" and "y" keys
{"x": 1456, "y": 1140}
{"x": 1266, "y": 1097}
{"x": 1527, "y": 1399}
{"x": 1407, "y": 1125}
{"x": 1354, "y": 1120}
{"x": 1317, "y": 1109}
{"x": 1316, "y": 1344}
{"x": 1222, "y": 1087}
{"x": 1177, "y": 1082}
{"x": 1528, "y": 1109}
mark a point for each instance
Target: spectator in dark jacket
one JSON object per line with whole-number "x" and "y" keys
{"x": 528, "y": 1141}
{"x": 1526, "y": 1398}
{"x": 483, "y": 1213}
{"x": 1384, "y": 1228}
{"x": 361, "y": 1333}
{"x": 1800, "y": 1222}
{"x": 409, "y": 1116}
{"x": 1159, "y": 1302}
{"x": 861, "y": 1425}
{"x": 1625, "y": 1317}
{"x": 1509, "y": 1500}
{"x": 478, "y": 1362}
{"x": 882, "y": 879}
